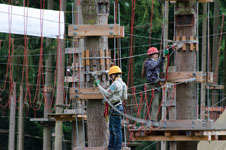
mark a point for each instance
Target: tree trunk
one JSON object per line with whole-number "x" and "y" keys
{"x": 216, "y": 22}
{"x": 20, "y": 140}
{"x": 186, "y": 107}
{"x": 48, "y": 95}
{"x": 204, "y": 49}
{"x": 95, "y": 12}
{"x": 12, "y": 121}
{"x": 60, "y": 86}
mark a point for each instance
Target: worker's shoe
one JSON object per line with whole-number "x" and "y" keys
{"x": 152, "y": 124}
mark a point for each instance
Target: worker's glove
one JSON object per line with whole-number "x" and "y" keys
{"x": 166, "y": 51}
{"x": 97, "y": 83}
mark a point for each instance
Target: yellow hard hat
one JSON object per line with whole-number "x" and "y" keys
{"x": 114, "y": 70}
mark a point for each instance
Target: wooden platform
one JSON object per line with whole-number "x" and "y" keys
{"x": 200, "y": 1}
{"x": 44, "y": 121}
{"x": 66, "y": 117}
{"x": 180, "y": 130}
{"x": 97, "y": 148}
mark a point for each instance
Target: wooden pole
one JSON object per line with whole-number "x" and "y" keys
{"x": 95, "y": 12}
{"x": 20, "y": 140}
{"x": 78, "y": 138}
{"x": 216, "y": 23}
{"x": 204, "y": 49}
{"x": 60, "y": 87}
{"x": 185, "y": 60}
{"x": 48, "y": 95}
{"x": 224, "y": 102}
{"x": 12, "y": 121}
{"x": 165, "y": 43}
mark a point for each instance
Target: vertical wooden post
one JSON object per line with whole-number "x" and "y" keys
{"x": 77, "y": 138}
{"x": 224, "y": 102}
{"x": 60, "y": 87}
{"x": 20, "y": 140}
{"x": 186, "y": 108}
{"x": 216, "y": 23}
{"x": 48, "y": 95}
{"x": 204, "y": 43}
{"x": 12, "y": 121}
{"x": 95, "y": 12}
{"x": 165, "y": 43}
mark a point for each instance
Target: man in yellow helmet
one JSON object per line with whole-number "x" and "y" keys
{"x": 116, "y": 93}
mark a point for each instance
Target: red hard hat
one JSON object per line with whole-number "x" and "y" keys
{"x": 152, "y": 50}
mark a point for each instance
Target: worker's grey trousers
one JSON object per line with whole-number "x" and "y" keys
{"x": 154, "y": 101}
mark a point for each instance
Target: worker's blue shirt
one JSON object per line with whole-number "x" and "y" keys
{"x": 153, "y": 68}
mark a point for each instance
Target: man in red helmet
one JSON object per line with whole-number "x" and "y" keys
{"x": 151, "y": 69}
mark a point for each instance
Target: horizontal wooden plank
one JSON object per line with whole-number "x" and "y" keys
{"x": 215, "y": 87}
{"x": 44, "y": 121}
{"x": 73, "y": 50}
{"x": 97, "y": 148}
{"x": 172, "y": 135}
{"x": 184, "y": 76}
{"x": 186, "y": 124}
{"x": 217, "y": 109}
{"x": 70, "y": 79}
{"x": 171, "y": 138}
{"x": 179, "y": 125}
{"x": 67, "y": 117}
{"x": 90, "y": 148}
{"x": 85, "y": 94}
{"x": 200, "y": 1}
{"x": 122, "y": 33}
{"x": 110, "y": 30}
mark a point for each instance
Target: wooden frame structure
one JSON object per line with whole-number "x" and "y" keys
{"x": 110, "y": 30}
{"x": 180, "y": 130}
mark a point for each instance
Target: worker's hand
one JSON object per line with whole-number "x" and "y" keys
{"x": 166, "y": 51}
{"x": 97, "y": 83}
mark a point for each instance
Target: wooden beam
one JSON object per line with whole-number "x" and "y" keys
{"x": 72, "y": 50}
{"x": 70, "y": 79}
{"x": 184, "y": 76}
{"x": 97, "y": 148}
{"x": 186, "y": 124}
{"x": 171, "y": 138}
{"x": 110, "y": 30}
{"x": 215, "y": 87}
{"x": 85, "y": 93}
{"x": 216, "y": 109}
{"x": 67, "y": 117}
{"x": 200, "y": 1}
